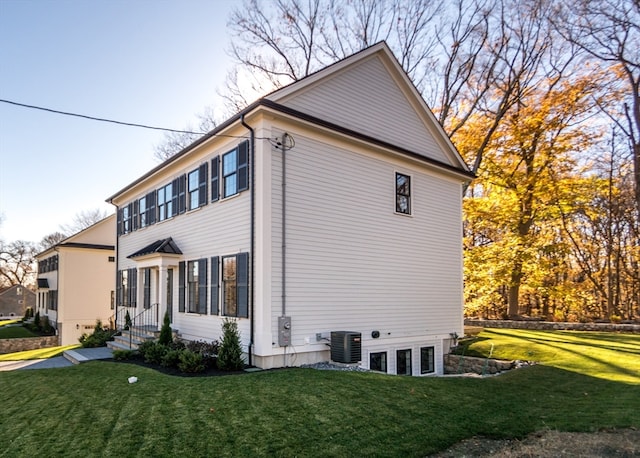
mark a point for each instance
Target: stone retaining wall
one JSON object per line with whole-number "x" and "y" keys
{"x": 550, "y": 325}
{"x": 27, "y": 343}
{"x": 457, "y": 364}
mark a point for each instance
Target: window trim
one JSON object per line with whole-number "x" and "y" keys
{"x": 385, "y": 367}
{"x": 240, "y": 172}
{"x": 399, "y": 194}
{"x": 408, "y": 361}
{"x": 241, "y": 283}
{"x": 431, "y": 360}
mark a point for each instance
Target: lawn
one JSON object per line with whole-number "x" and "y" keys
{"x": 14, "y": 332}
{"x": 92, "y": 410}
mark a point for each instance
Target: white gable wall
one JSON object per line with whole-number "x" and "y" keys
{"x": 352, "y": 263}
{"x": 366, "y": 99}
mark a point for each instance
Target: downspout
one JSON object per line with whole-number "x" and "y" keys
{"x": 115, "y": 302}
{"x": 253, "y": 235}
{"x": 284, "y": 227}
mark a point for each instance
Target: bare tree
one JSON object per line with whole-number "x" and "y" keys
{"x": 50, "y": 240}
{"x": 17, "y": 263}
{"x": 83, "y": 220}
{"x": 174, "y": 142}
{"x": 609, "y": 30}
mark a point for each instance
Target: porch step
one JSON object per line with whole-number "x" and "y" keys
{"x": 131, "y": 339}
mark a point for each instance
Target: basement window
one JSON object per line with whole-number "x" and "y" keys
{"x": 427, "y": 360}
{"x": 403, "y": 362}
{"x": 378, "y": 361}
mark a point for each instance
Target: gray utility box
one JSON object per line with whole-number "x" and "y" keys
{"x": 284, "y": 331}
{"x": 346, "y": 346}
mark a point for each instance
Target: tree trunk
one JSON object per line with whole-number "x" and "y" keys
{"x": 514, "y": 292}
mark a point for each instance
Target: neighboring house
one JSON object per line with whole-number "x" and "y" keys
{"x": 76, "y": 280}
{"x": 14, "y": 301}
{"x": 332, "y": 204}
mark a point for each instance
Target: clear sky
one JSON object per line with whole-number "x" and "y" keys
{"x": 154, "y": 62}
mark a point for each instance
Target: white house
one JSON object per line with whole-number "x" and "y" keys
{"x": 76, "y": 279}
{"x": 332, "y": 204}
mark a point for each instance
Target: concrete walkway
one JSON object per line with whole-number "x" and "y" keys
{"x": 69, "y": 358}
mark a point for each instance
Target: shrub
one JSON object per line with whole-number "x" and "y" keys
{"x": 98, "y": 338}
{"x": 45, "y": 326}
{"x": 230, "y": 353}
{"x": 35, "y": 326}
{"x": 171, "y": 358}
{"x": 615, "y": 318}
{"x": 191, "y": 362}
{"x": 166, "y": 336}
{"x": 28, "y": 313}
{"x": 123, "y": 355}
{"x": 127, "y": 321}
{"x": 152, "y": 351}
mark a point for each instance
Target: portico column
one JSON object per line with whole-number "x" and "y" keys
{"x": 162, "y": 293}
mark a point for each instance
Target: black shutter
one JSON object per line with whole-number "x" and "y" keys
{"x": 181, "y": 286}
{"x": 202, "y": 286}
{"x": 133, "y": 287}
{"x": 215, "y": 285}
{"x": 242, "y": 284}
{"x": 202, "y": 184}
{"x": 119, "y": 222}
{"x": 215, "y": 180}
{"x": 151, "y": 207}
{"x": 135, "y": 206}
{"x": 174, "y": 197}
{"x": 243, "y": 166}
{"x": 182, "y": 194}
{"x": 147, "y": 288}
{"x": 119, "y": 288}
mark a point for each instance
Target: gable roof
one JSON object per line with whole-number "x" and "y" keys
{"x": 286, "y": 100}
{"x": 92, "y": 237}
{"x": 370, "y": 93}
{"x": 164, "y": 246}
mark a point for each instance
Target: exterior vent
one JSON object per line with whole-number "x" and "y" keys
{"x": 346, "y": 347}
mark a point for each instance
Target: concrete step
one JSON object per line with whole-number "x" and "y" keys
{"x": 117, "y": 345}
{"x": 82, "y": 355}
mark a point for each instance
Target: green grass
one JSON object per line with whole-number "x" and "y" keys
{"x": 92, "y": 410}
{"x": 604, "y": 355}
{"x": 15, "y": 332}
{"x": 41, "y": 353}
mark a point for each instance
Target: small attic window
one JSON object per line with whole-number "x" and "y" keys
{"x": 403, "y": 194}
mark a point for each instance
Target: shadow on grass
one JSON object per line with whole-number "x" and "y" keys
{"x": 573, "y": 346}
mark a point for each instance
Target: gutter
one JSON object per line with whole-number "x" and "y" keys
{"x": 252, "y": 156}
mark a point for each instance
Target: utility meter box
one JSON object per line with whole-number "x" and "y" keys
{"x": 284, "y": 331}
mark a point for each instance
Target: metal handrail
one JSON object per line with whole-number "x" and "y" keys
{"x": 144, "y": 321}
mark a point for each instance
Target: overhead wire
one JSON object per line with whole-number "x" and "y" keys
{"x": 122, "y": 123}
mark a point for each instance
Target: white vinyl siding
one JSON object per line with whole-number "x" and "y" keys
{"x": 367, "y": 100}
{"x": 351, "y": 262}
{"x": 214, "y": 230}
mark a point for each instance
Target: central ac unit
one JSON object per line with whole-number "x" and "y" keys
{"x": 346, "y": 346}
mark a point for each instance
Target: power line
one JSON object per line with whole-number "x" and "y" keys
{"x": 93, "y": 118}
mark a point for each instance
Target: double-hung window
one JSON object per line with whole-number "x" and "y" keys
{"x": 235, "y": 170}
{"x": 165, "y": 202}
{"x": 235, "y": 285}
{"x": 126, "y": 287}
{"x": 192, "y": 279}
{"x": 197, "y": 187}
{"x": 147, "y": 210}
{"x": 403, "y": 194}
